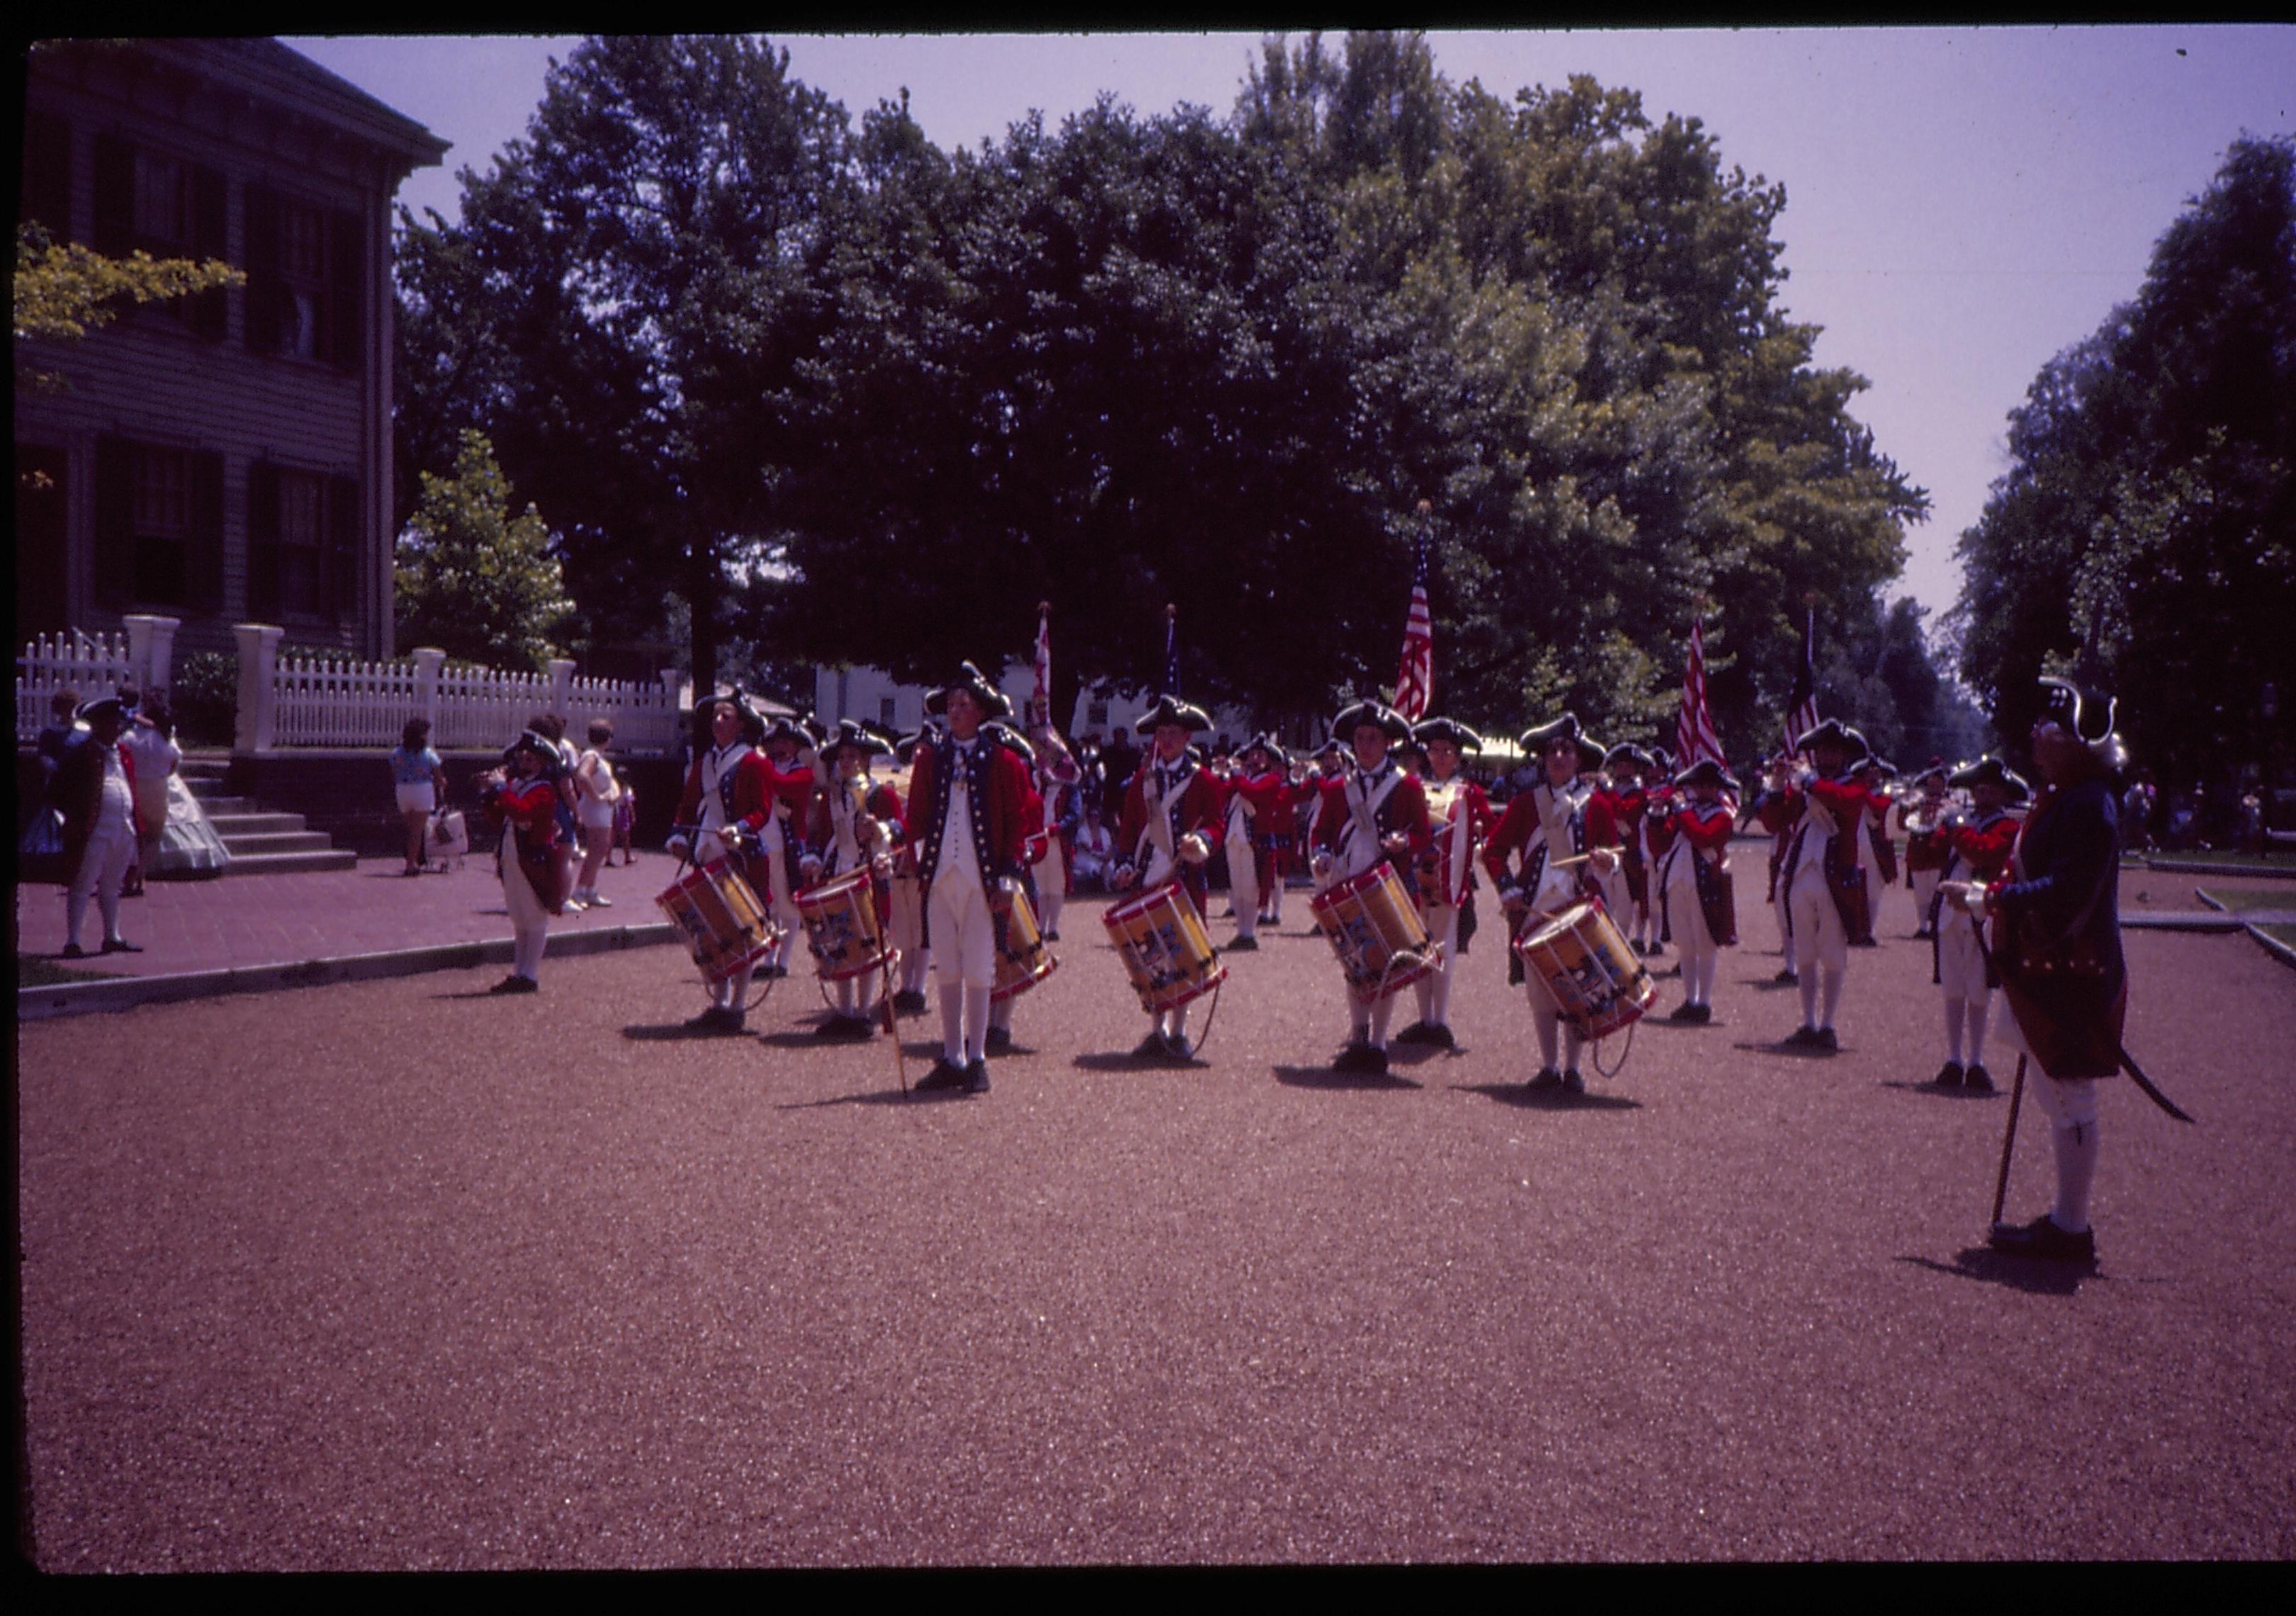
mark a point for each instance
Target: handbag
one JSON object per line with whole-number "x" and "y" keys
{"x": 448, "y": 835}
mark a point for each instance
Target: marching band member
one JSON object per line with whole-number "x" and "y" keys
{"x": 1170, "y": 829}
{"x": 787, "y": 755}
{"x": 909, "y": 894}
{"x": 1036, "y": 850}
{"x": 521, "y": 798}
{"x": 968, "y": 799}
{"x": 1824, "y": 880}
{"x": 1926, "y": 846}
{"x": 1056, "y": 778}
{"x": 727, "y": 804}
{"x": 1606, "y": 807}
{"x": 847, "y": 823}
{"x": 1264, "y": 812}
{"x": 94, "y": 786}
{"x": 2057, "y": 946}
{"x": 1459, "y": 819}
{"x": 1694, "y": 886}
{"x": 1777, "y": 810}
{"x": 1374, "y": 810}
{"x": 1977, "y": 848}
{"x": 1630, "y": 771}
{"x": 1545, "y": 826}
{"x": 1877, "y": 854}
{"x": 1657, "y": 833}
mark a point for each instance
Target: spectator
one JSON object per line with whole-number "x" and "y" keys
{"x": 95, "y": 787}
{"x": 2136, "y": 813}
{"x": 150, "y": 740}
{"x": 599, "y": 794}
{"x": 1095, "y": 847}
{"x": 422, "y": 783}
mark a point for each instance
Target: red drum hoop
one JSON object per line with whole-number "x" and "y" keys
{"x": 841, "y": 926}
{"x": 719, "y": 916}
{"x": 1376, "y": 932}
{"x": 1025, "y": 960}
{"x": 1583, "y": 964}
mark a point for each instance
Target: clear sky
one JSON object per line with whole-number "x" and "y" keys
{"x": 1960, "y": 203}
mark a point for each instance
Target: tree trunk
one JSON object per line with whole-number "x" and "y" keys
{"x": 701, "y": 596}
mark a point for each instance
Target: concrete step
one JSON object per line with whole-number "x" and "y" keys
{"x": 216, "y": 807}
{"x": 254, "y": 821}
{"x": 288, "y": 863}
{"x": 280, "y": 841}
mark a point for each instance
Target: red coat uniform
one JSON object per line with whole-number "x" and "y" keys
{"x": 1627, "y": 810}
{"x": 1846, "y": 801}
{"x": 526, "y": 811}
{"x": 1925, "y": 851}
{"x": 1196, "y": 811}
{"x": 997, "y": 783}
{"x": 1275, "y": 804}
{"x": 1703, "y": 836}
{"x": 1402, "y": 810}
{"x": 1458, "y": 814}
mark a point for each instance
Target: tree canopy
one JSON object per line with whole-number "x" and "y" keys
{"x": 475, "y": 581}
{"x": 2146, "y": 531}
{"x": 868, "y": 401}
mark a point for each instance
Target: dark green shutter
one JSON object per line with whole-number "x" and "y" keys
{"x": 206, "y": 559}
{"x": 346, "y": 288}
{"x": 263, "y": 285}
{"x": 115, "y": 520}
{"x": 208, "y": 241}
{"x": 115, "y": 196}
{"x": 263, "y": 542}
{"x": 343, "y": 548}
{"x": 47, "y": 201}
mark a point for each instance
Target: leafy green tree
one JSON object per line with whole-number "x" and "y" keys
{"x": 475, "y": 581}
{"x": 64, "y": 289}
{"x": 2145, "y": 530}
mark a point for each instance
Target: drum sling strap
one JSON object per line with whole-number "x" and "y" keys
{"x": 1363, "y": 811}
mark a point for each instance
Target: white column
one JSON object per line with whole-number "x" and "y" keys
{"x": 562, "y": 687}
{"x": 429, "y": 659}
{"x": 151, "y": 650}
{"x": 258, "y": 695}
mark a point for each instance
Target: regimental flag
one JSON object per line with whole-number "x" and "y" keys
{"x": 1802, "y": 712}
{"x": 1693, "y": 728}
{"x": 1415, "y": 681}
{"x": 1171, "y": 650}
{"x": 1043, "y": 697}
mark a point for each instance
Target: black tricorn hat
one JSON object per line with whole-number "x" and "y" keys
{"x": 1706, "y": 772}
{"x": 1990, "y": 771}
{"x": 2083, "y": 712}
{"x": 1447, "y": 729}
{"x": 852, "y": 732}
{"x": 1357, "y": 714}
{"x": 1879, "y": 763}
{"x": 786, "y": 728}
{"x": 905, "y": 747}
{"x": 1265, "y": 741}
{"x": 1834, "y": 732}
{"x": 1638, "y": 756}
{"x": 103, "y": 707}
{"x": 994, "y": 702}
{"x": 532, "y": 741}
{"x": 1536, "y": 741}
{"x": 1172, "y": 709}
{"x": 813, "y": 727}
{"x": 1936, "y": 771}
{"x": 1012, "y": 739}
{"x": 753, "y": 722}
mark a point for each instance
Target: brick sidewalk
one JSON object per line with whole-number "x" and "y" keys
{"x": 262, "y": 919}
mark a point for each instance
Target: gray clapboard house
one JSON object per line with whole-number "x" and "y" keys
{"x": 225, "y": 458}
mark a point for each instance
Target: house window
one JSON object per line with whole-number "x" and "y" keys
{"x": 303, "y": 530}
{"x": 163, "y": 207}
{"x": 303, "y": 279}
{"x": 163, "y": 525}
{"x": 306, "y": 279}
{"x": 302, "y": 543}
{"x": 148, "y": 201}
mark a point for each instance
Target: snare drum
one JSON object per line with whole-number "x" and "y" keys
{"x": 1024, "y": 960}
{"x": 1161, "y": 940}
{"x": 1593, "y": 978}
{"x": 721, "y": 920}
{"x": 841, "y": 926}
{"x": 1376, "y": 932}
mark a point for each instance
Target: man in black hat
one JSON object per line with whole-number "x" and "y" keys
{"x": 1824, "y": 880}
{"x": 726, "y": 805}
{"x": 850, "y": 823}
{"x": 1695, "y": 885}
{"x": 1260, "y": 818}
{"x": 1459, "y": 817}
{"x": 1170, "y": 829}
{"x": 1547, "y": 828}
{"x": 2056, "y": 943}
{"x": 907, "y": 918}
{"x": 521, "y": 799}
{"x": 1374, "y": 810}
{"x": 1927, "y": 847}
{"x": 967, "y": 816}
{"x": 1977, "y": 845}
{"x": 1630, "y": 771}
{"x": 96, "y": 789}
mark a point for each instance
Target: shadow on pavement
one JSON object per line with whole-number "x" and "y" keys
{"x": 1548, "y": 1099}
{"x": 1935, "y": 1093}
{"x": 875, "y": 1096}
{"x": 1795, "y": 1052}
{"x": 1768, "y": 984}
{"x": 671, "y": 1032}
{"x": 1323, "y": 1077}
{"x": 2028, "y": 1274}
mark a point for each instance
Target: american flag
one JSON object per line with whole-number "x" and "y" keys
{"x": 1802, "y": 712}
{"x": 1043, "y": 698}
{"x": 1694, "y": 727}
{"x": 1414, "y": 682}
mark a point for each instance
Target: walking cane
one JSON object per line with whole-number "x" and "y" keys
{"x": 892, "y": 1023}
{"x": 2016, "y": 1098}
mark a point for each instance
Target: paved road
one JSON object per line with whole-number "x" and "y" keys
{"x": 395, "y": 1274}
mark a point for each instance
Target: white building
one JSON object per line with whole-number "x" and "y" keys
{"x": 873, "y": 695}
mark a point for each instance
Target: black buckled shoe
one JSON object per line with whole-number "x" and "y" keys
{"x": 1439, "y": 1035}
{"x": 1977, "y": 1080}
{"x": 946, "y": 1074}
{"x": 2044, "y": 1240}
{"x": 1827, "y": 1041}
{"x": 1242, "y": 944}
{"x": 1546, "y": 1077}
{"x": 1176, "y": 1048}
{"x": 1152, "y": 1047}
{"x": 1785, "y": 975}
{"x": 1418, "y": 1032}
{"x": 516, "y": 984}
{"x": 909, "y": 1003}
{"x": 1801, "y": 1038}
{"x": 1684, "y": 1011}
{"x": 1354, "y": 1057}
{"x": 998, "y": 1040}
{"x": 976, "y": 1078}
{"x": 1949, "y": 1075}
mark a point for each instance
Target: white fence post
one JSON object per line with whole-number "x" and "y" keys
{"x": 259, "y": 696}
{"x": 428, "y": 661}
{"x": 151, "y": 650}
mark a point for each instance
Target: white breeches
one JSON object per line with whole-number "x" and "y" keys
{"x": 530, "y": 923}
{"x": 1818, "y": 938}
{"x": 1442, "y": 921}
{"x": 1961, "y": 968}
{"x": 1700, "y": 956}
{"x": 2068, "y": 1103}
{"x": 1052, "y": 878}
{"x": 1925, "y": 885}
{"x": 1243, "y": 884}
{"x": 963, "y": 934}
{"x": 103, "y": 870}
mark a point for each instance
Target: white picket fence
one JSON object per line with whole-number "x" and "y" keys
{"x": 94, "y": 665}
{"x": 324, "y": 700}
